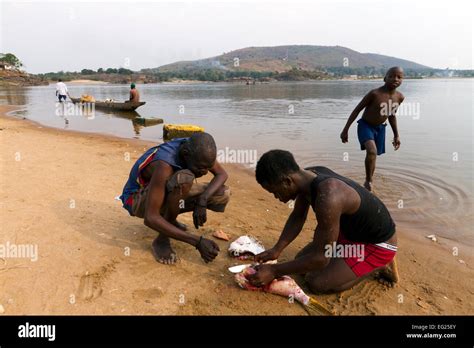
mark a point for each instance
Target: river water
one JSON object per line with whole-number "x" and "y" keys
{"x": 427, "y": 184}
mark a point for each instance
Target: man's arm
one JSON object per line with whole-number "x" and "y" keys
{"x": 155, "y": 200}
{"x": 362, "y": 105}
{"x": 392, "y": 119}
{"x": 200, "y": 212}
{"x": 329, "y": 206}
{"x": 292, "y": 229}
{"x": 219, "y": 179}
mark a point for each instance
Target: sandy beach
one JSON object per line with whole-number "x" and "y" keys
{"x": 83, "y": 82}
{"x": 57, "y": 191}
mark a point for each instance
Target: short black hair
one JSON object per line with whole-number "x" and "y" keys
{"x": 59, "y": 80}
{"x": 275, "y": 165}
{"x": 202, "y": 147}
{"x": 394, "y": 68}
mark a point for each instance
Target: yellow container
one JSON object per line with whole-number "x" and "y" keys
{"x": 87, "y": 98}
{"x": 171, "y": 131}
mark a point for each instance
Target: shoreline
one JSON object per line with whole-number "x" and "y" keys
{"x": 81, "y": 82}
{"x": 86, "y": 82}
{"x": 81, "y": 249}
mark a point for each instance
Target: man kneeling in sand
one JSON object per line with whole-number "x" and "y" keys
{"x": 350, "y": 218}
{"x": 160, "y": 187}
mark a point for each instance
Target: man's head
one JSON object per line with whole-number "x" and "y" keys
{"x": 275, "y": 170}
{"x": 59, "y": 80}
{"x": 132, "y": 86}
{"x": 199, "y": 153}
{"x": 393, "y": 77}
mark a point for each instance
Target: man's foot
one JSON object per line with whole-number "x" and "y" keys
{"x": 368, "y": 185}
{"x": 388, "y": 276}
{"x": 180, "y": 225}
{"x": 162, "y": 251}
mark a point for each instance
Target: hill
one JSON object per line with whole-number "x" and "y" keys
{"x": 285, "y": 58}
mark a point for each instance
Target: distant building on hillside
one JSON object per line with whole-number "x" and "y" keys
{"x": 350, "y": 77}
{"x": 6, "y": 66}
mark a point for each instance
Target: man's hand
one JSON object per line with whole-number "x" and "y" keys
{"x": 208, "y": 249}
{"x": 264, "y": 275}
{"x": 344, "y": 136}
{"x": 267, "y": 255}
{"x": 396, "y": 143}
{"x": 199, "y": 215}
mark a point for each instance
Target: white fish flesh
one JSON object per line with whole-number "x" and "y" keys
{"x": 246, "y": 247}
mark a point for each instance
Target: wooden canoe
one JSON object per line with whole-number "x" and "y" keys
{"x": 112, "y": 105}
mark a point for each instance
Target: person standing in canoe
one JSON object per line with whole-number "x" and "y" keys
{"x": 379, "y": 105}
{"x": 134, "y": 95}
{"x": 355, "y": 236}
{"x": 161, "y": 186}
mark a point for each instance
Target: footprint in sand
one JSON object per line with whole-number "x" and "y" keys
{"x": 90, "y": 284}
{"x": 90, "y": 287}
{"x": 359, "y": 299}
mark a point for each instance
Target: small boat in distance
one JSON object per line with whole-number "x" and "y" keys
{"x": 123, "y": 106}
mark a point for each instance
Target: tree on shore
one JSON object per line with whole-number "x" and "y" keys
{"x": 87, "y": 72}
{"x": 10, "y": 59}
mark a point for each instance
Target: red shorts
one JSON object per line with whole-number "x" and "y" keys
{"x": 371, "y": 256}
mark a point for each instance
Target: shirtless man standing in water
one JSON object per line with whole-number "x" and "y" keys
{"x": 380, "y": 104}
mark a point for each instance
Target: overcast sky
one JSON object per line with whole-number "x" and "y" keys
{"x": 59, "y": 35}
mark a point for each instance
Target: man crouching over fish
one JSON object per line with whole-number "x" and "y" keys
{"x": 347, "y": 215}
{"x": 160, "y": 187}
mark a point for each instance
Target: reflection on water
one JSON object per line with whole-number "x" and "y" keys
{"x": 13, "y": 95}
{"x": 128, "y": 115}
{"x": 307, "y": 118}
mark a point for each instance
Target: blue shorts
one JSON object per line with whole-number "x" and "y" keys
{"x": 366, "y": 131}
{"x": 62, "y": 96}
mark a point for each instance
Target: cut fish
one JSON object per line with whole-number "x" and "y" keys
{"x": 284, "y": 286}
{"x": 246, "y": 247}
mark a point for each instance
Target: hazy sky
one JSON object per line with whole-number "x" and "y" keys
{"x": 61, "y": 35}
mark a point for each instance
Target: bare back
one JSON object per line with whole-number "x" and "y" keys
{"x": 134, "y": 96}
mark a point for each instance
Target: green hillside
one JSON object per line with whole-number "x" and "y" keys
{"x": 285, "y": 58}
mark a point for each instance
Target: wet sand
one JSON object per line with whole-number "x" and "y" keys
{"x": 93, "y": 258}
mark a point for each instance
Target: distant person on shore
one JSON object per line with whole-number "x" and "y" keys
{"x": 134, "y": 95}
{"x": 61, "y": 90}
{"x": 355, "y": 236}
{"x": 380, "y": 104}
{"x": 161, "y": 186}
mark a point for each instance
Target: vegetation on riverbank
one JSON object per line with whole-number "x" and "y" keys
{"x": 216, "y": 71}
